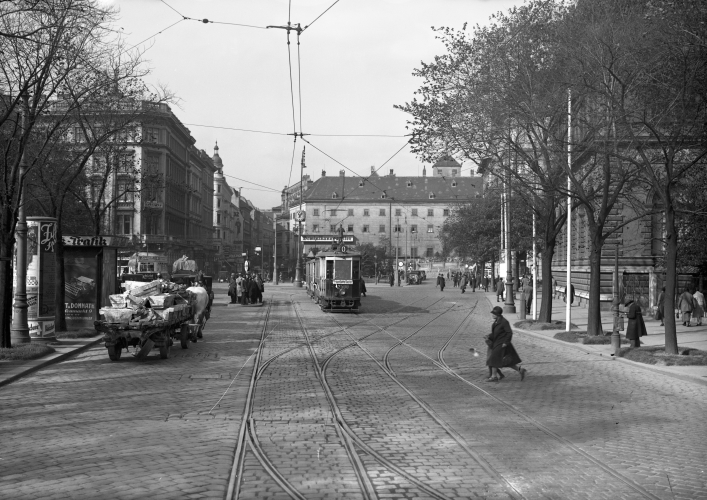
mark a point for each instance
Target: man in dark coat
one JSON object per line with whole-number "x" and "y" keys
{"x": 501, "y": 351}
{"x": 636, "y": 327}
{"x": 528, "y": 291}
{"x": 500, "y": 287}
{"x": 473, "y": 283}
{"x": 363, "y": 287}
{"x": 440, "y": 281}
{"x": 233, "y": 288}
{"x": 463, "y": 283}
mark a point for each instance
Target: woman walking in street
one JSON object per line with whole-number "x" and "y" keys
{"x": 502, "y": 353}
{"x": 686, "y": 305}
{"x": 636, "y": 328}
{"x": 440, "y": 281}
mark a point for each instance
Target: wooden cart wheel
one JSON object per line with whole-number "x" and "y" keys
{"x": 184, "y": 337}
{"x": 114, "y": 352}
{"x": 164, "y": 349}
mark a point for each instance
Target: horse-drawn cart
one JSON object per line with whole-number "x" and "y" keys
{"x": 145, "y": 318}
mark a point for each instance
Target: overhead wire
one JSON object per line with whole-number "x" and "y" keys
{"x": 320, "y": 15}
{"x": 251, "y": 182}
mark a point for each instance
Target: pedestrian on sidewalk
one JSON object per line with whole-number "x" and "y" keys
{"x": 463, "y": 283}
{"x": 528, "y": 291}
{"x": 363, "y": 287}
{"x": 636, "y": 327}
{"x": 699, "y": 303}
{"x": 502, "y": 354}
{"x": 661, "y": 307}
{"x": 686, "y": 305}
{"x": 392, "y": 279}
{"x": 473, "y": 283}
{"x": 499, "y": 289}
{"x": 485, "y": 283}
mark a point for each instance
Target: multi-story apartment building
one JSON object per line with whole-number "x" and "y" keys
{"x": 167, "y": 213}
{"x": 401, "y": 213}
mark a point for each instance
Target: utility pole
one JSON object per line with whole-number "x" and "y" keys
{"x": 300, "y": 219}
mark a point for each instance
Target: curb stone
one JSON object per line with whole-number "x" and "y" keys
{"x": 37, "y": 364}
{"x": 644, "y": 366}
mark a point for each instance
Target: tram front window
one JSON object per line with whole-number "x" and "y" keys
{"x": 330, "y": 270}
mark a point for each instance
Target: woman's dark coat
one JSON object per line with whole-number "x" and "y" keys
{"x": 500, "y": 287}
{"x": 501, "y": 333}
{"x": 661, "y": 306}
{"x": 254, "y": 292}
{"x": 636, "y": 327}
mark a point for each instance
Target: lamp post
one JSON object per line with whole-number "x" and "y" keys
{"x": 615, "y": 337}
{"x": 298, "y": 270}
{"x": 508, "y": 305}
{"x": 19, "y": 329}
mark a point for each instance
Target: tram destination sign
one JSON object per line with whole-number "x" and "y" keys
{"x": 325, "y": 238}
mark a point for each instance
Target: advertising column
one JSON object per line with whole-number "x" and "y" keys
{"x": 41, "y": 278}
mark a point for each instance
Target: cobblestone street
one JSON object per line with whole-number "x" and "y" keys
{"x": 285, "y": 401}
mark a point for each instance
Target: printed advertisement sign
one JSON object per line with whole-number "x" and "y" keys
{"x": 80, "y": 275}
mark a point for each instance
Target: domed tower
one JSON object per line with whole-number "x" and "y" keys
{"x": 217, "y": 159}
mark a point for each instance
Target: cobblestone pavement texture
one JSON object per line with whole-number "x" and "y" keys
{"x": 579, "y": 426}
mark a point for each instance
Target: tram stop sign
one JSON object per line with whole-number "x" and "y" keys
{"x": 401, "y": 264}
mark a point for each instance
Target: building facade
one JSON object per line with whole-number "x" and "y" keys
{"x": 404, "y": 214}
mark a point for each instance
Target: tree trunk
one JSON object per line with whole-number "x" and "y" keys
{"x": 546, "y": 295}
{"x": 60, "y": 318}
{"x": 594, "y": 309}
{"x": 671, "y": 257}
{"x": 5, "y": 290}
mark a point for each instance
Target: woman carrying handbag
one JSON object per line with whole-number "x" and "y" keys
{"x": 501, "y": 351}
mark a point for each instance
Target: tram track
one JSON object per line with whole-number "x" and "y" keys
{"x": 385, "y": 368}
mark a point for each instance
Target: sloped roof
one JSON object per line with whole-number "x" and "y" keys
{"x": 447, "y": 161}
{"x": 395, "y": 188}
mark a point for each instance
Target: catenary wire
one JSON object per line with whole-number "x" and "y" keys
{"x": 207, "y": 21}
{"x": 284, "y": 133}
{"x": 320, "y": 15}
{"x": 251, "y": 182}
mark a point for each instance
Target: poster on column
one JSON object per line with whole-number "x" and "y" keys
{"x": 80, "y": 274}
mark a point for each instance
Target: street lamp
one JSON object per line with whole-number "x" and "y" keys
{"x": 19, "y": 330}
{"x": 299, "y": 218}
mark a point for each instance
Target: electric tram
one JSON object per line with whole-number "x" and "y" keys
{"x": 333, "y": 280}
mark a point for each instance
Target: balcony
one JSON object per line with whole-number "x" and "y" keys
{"x": 155, "y": 238}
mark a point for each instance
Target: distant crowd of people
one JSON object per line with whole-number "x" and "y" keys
{"x": 244, "y": 288}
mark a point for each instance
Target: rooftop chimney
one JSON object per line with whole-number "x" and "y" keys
{"x": 391, "y": 172}
{"x": 424, "y": 172}
{"x": 323, "y": 173}
{"x": 342, "y": 173}
{"x": 373, "y": 169}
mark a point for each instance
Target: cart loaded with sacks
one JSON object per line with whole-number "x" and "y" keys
{"x": 148, "y": 315}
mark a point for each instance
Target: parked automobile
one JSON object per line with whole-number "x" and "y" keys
{"x": 415, "y": 277}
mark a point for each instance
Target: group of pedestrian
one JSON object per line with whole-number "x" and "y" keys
{"x": 246, "y": 288}
{"x": 691, "y": 304}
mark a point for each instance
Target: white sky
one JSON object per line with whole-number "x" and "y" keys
{"x": 357, "y": 62}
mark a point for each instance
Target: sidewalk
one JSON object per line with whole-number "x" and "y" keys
{"x": 13, "y": 370}
{"x": 694, "y": 337}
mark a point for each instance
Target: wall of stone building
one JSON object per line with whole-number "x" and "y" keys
{"x": 420, "y": 239}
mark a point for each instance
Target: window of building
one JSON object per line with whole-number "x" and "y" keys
{"x": 397, "y": 228}
{"x": 413, "y": 252}
{"x": 445, "y": 212}
{"x": 429, "y": 253}
{"x": 218, "y": 218}
{"x": 430, "y": 212}
{"x": 381, "y": 211}
{"x": 439, "y": 171}
{"x": 350, "y": 212}
{"x": 381, "y": 228}
{"x": 315, "y": 228}
{"x": 454, "y": 171}
{"x": 413, "y": 228}
{"x": 366, "y": 228}
{"x": 125, "y": 224}
{"x": 332, "y": 228}
{"x": 125, "y": 191}
{"x": 409, "y": 183}
{"x": 218, "y": 188}
{"x": 350, "y": 228}
{"x": 454, "y": 184}
{"x": 333, "y": 196}
{"x": 218, "y": 234}
{"x": 400, "y": 251}
{"x": 332, "y": 212}
{"x": 315, "y": 212}
{"x": 150, "y": 134}
{"x": 398, "y": 212}
{"x": 366, "y": 212}
{"x": 414, "y": 212}
{"x": 152, "y": 224}
{"x": 432, "y": 196}
{"x": 218, "y": 203}
{"x": 430, "y": 228}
